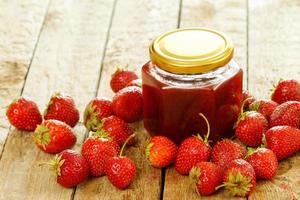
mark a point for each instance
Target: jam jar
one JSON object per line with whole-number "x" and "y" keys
{"x": 191, "y": 71}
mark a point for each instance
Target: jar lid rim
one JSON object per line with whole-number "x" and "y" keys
{"x": 191, "y": 50}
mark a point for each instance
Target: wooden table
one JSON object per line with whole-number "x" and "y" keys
{"x": 74, "y": 45}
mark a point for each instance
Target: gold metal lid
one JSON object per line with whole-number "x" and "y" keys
{"x": 191, "y": 50}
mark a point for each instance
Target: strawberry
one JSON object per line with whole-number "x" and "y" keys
{"x": 160, "y": 151}
{"x": 207, "y": 176}
{"x": 128, "y": 104}
{"x": 136, "y": 82}
{"x": 239, "y": 178}
{"x": 286, "y": 90}
{"x": 121, "y": 78}
{"x": 116, "y": 129}
{"x": 120, "y": 170}
{"x": 97, "y": 150}
{"x": 247, "y": 99}
{"x": 224, "y": 151}
{"x": 193, "y": 150}
{"x": 287, "y": 113}
{"x": 24, "y": 114}
{"x": 250, "y": 128}
{"x": 70, "y": 168}
{"x": 283, "y": 141}
{"x": 53, "y": 136}
{"x": 264, "y": 106}
{"x": 62, "y": 108}
{"x": 264, "y": 162}
{"x": 96, "y": 110}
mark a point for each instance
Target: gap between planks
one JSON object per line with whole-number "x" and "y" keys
{"x": 29, "y": 65}
{"x": 100, "y": 73}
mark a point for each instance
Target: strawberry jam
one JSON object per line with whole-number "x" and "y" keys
{"x": 179, "y": 83}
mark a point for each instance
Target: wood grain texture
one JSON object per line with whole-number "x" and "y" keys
{"x": 135, "y": 24}
{"x": 21, "y": 22}
{"x": 229, "y": 17}
{"x": 67, "y": 59}
{"x": 273, "y": 54}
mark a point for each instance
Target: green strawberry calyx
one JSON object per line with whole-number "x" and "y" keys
{"x": 101, "y": 135}
{"x": 243, "y": 116}
{"x": 194, "y": 177}
{"x": 91, "y": 120}
{"x": 237, "y": 184}
{"x": 119, "y": 69}
{"x": 55, "y": 164}
{"x": 254, "y": 106}
{"x": 250, "y": 151}
{"x": 274, "y": 86}
{"x": 205, "y": 139}
{"x": 56, "y": 94}
{"x": 148, "y": 150}
{"x": 41, "y": 136}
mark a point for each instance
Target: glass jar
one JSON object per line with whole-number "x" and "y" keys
{"x": 191, "y": 71}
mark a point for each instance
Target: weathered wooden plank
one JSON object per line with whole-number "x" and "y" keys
{"x": 134, "y": 25}
{"x": 20, "y": 25}
{"x": 273, "y": 53}
{"x": 229, "y": 17}
{"x": 67, "y": 59}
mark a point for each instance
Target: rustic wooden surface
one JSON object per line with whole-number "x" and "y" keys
{"x": 73, "y": 46}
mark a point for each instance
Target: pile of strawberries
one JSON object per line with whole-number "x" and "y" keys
{"x": 107, "y": 120}
{"x": 266, "y": 132}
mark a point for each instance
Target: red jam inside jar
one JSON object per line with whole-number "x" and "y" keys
{"x": 191, "y": 71}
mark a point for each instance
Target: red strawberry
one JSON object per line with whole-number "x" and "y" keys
{"x": 136, "y": 82}
{"x": 128, "y": 104}
{"x": 70, "y": 168}
{"x": 207, "y": 177}
{"x": 264, "y": 162}
{"x": 247, "y": 99}
{"x": 264, "y": 106}
{"x": 239, "y": 178}
{"x": 192, "y": 150}
{"x": 96, "y": 110}
{"x": 120, "y": 170}
{"x": 62, "y": 108}
{"x": 24, "y": 114}
{"x": 121, "y": 78}
{"x": 160, "y": 151}
{"x": 225, "y": 151}
{"x": 97, "y": 151}
{"x": 53, "y": 136}
{"x": 283, "y": 141}
{"x": 287, "y": 113}
{"x": 250, "y": 128}
{"x": 286, "y": 90}
{"x": 116, "y": 129}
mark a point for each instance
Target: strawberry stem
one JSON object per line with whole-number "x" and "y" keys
{"x": 220, "y": 186}
{"x": 44, "y": 163}
{"x": 264, "y": 142}
{"x": 250, "y": 151}
{"x": 125, "y": 143}
{"x": 208, "y": 127}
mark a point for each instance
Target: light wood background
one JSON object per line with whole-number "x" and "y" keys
{"x": 73, "y": 46}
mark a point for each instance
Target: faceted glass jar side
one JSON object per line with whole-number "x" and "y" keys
{"x": 172, "y": 102}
